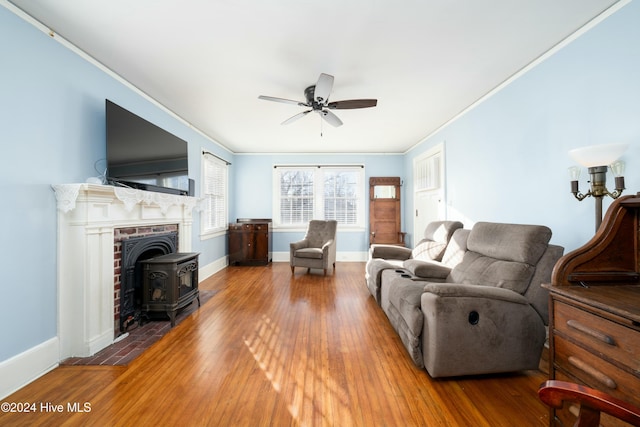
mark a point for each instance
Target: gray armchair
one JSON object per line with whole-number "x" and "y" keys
{"x": 317, "y": 249}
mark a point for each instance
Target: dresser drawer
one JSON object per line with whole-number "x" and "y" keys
{"x": 241, "y": 227}
{"x": 594, "y": 371}
{"x": 261, "y": 227}
{"x": 612, "y": 340}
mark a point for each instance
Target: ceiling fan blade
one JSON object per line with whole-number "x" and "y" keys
{"x": 352, "y": 103}
{"x": 286, "y": 101}
{"x": 296, "y": 117}
{"x": 323, "y": 88}
{"x": 331, "y": 118}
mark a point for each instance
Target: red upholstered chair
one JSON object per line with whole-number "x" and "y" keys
{"x": 592, "y": 402}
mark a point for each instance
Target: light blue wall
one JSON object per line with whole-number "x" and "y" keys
{"x": 507, "y": 159}
{"x": 254, "y": 181}
{"x": 52, "y": 131}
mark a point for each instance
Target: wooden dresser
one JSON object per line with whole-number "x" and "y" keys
{"x": 250, "y": 242}
{"x": 594, "y": 329}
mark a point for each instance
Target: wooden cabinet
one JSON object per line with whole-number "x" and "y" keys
{"x": 250, "y": 242}
{"x": 595, "y": 340}
{"x": 594, "y": 316}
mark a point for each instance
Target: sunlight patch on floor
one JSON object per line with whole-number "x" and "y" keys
{"x": 313, "y": 400}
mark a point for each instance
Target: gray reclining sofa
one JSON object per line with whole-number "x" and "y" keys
{"x": 479, "y": 309}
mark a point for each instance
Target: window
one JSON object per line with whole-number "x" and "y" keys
{"x": 214, "y": 194}
{"x": 296, "y": 196}
{"x": 427, "y": 172}
{"x": 318, "y": 192}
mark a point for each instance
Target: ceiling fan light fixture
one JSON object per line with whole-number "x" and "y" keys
{"x": 317, "y": 98}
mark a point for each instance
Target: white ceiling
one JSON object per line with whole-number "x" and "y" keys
{"x": 207, "y": 61}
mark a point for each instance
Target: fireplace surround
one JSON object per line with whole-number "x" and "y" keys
{"x": 89, "y": 216}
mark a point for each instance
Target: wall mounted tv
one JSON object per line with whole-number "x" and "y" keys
{"x": 141, "y": 155}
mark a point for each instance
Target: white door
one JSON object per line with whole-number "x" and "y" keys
{"x": 428, "y": 183}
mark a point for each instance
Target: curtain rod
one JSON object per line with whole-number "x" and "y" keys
{"x": 217, "y": 157}
{"x": 318, "y": 166}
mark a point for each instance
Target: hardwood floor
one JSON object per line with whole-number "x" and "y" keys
{"x": 272, "y": 349}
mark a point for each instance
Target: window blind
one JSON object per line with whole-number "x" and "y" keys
{"x": 214, "y": 193}
{"x": 319, "y": 192}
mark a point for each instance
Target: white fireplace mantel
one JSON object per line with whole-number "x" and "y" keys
{"x": 88, "y": 214}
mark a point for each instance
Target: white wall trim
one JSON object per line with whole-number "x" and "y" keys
{"x": 27, "y": 366}
{"x": 204, "y": 272}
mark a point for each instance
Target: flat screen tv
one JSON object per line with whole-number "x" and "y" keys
{"x": 142, "y": 155}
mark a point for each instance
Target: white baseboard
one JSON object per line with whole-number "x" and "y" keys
{"x": 212, "y": 268}
{"x": 102, "y": 341}
{"x": 27, "y": 366}
{"x": 340, "y": 256}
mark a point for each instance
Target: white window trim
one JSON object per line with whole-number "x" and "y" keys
{"x": 222, "y": 228}
{"x": 318, "y": 189}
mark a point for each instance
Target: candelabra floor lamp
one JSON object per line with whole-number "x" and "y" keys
{"x": 595, "y": 158}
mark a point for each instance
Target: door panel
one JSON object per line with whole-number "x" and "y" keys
{"x": 384, "y": 211}
{"x": 428, "y": 209}
{"x": 385, "y": 221}
{"x": 428, "y": 198}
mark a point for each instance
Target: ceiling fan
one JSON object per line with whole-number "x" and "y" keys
{"x": 317, "y": 100}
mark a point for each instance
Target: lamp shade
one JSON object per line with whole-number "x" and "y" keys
{"x": 598, "y": 155}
